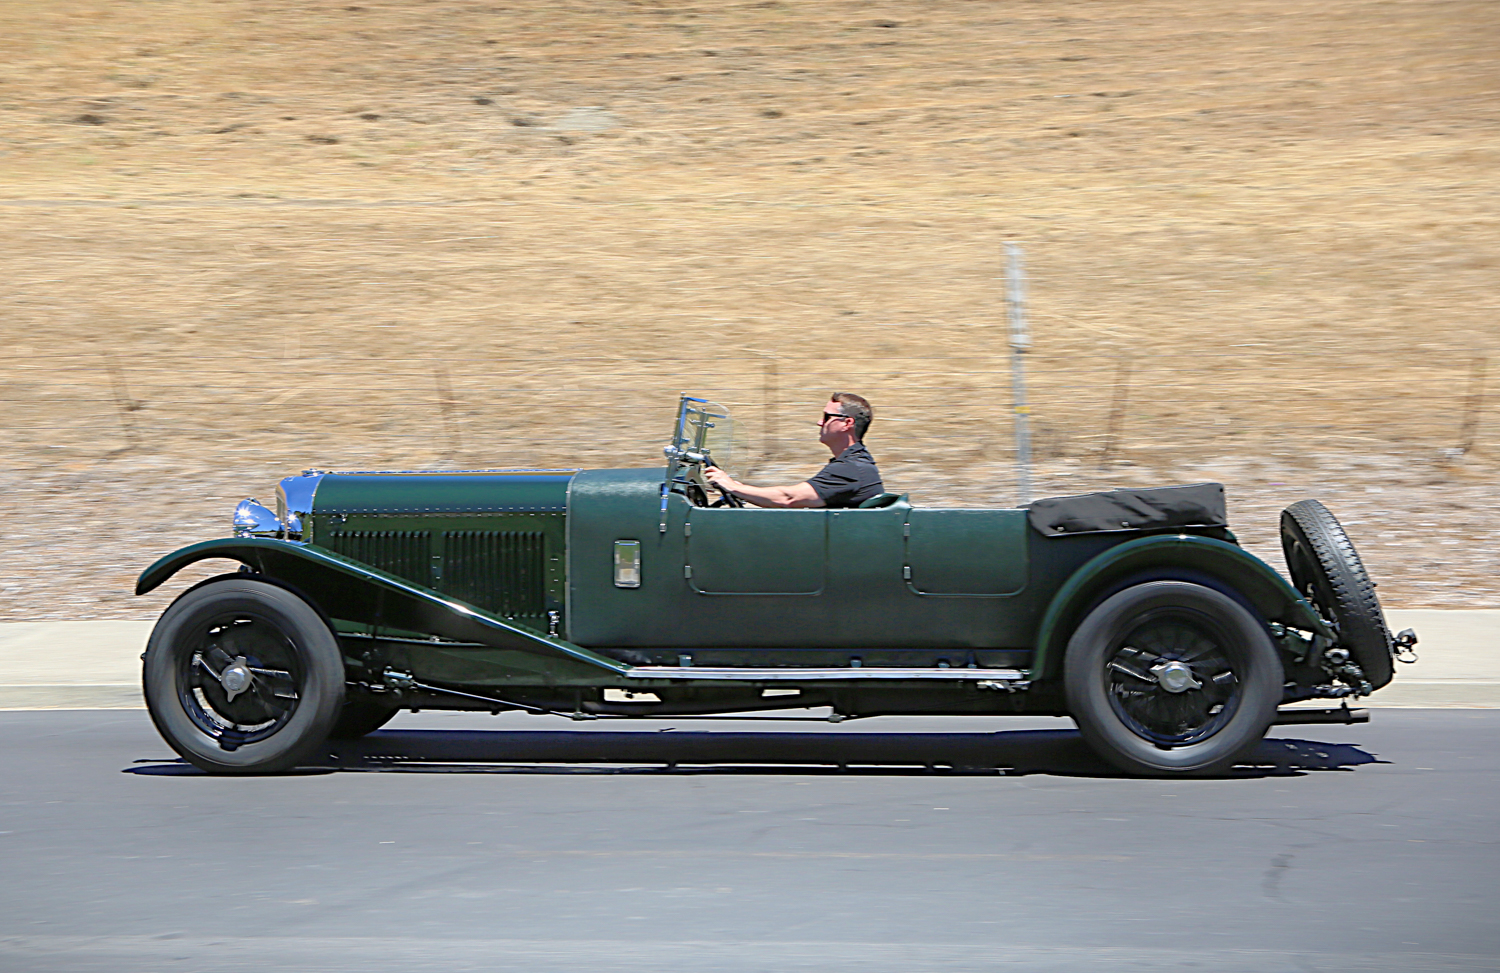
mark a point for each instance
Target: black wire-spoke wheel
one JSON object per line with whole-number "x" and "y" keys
{"x": 1172, "y": 677}
{"x": 242, "y": 676}
{"x": 239, "y": 681}
{"x": 1171, "y": 680}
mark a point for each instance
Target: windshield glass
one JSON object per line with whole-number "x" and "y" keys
{"x": 704, "y": 433}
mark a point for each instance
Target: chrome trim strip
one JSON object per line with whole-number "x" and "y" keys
{"x": 789, "y": 674}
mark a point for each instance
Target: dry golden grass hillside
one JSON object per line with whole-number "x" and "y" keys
{"x": 243, "y": 238}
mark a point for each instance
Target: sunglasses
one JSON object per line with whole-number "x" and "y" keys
{"x": 828, "y": 416}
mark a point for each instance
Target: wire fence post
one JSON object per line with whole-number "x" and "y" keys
{"x": 1468, "y": 429}
{"x": 1116, "y": 412}
{"x": 1020, "y": 343}
{"x": 124, "y": 404}
{"x": 446, "y": 407}
{"x": 769, "y": 404}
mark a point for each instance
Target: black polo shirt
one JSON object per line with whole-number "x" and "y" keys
{"x": 849, "y": 480}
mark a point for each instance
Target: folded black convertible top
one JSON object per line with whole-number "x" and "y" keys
{"x": 1198, "y": 505}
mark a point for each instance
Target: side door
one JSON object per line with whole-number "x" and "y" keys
{"x": 756, "y": 551}
{"x": 969, "y": 572}
{"x": 754, "y": 578}
{"x": 959, "y": 553}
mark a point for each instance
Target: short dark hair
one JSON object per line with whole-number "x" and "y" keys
{"x": 856, "y": 407}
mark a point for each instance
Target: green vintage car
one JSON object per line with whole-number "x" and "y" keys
{"x": 632, "y": 593}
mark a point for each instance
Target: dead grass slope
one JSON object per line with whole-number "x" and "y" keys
{"x": 405, "y": 233}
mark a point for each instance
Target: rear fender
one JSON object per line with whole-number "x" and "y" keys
{"x": 1227, "y": 566}
{"x": 346, "y": 589}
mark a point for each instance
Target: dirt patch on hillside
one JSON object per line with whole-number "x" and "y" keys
{"x": 245, "y": 238}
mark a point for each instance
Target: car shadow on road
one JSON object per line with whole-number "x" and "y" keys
{"x": 673, "y": 751}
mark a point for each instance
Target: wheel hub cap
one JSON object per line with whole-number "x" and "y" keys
{"x": 1175, "y": 677}
{"x": 236, "y": 677}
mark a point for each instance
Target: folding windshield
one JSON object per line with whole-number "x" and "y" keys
{"x": 704, "y": 434}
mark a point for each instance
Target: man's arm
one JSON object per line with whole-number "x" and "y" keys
{"x": 797, "y": 495}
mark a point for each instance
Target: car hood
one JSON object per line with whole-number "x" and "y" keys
{"x": 418, "y": 492}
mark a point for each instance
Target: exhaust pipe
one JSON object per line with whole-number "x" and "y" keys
{"x": 1337, "y": 714}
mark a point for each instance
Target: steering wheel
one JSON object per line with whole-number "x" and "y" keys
{"x": 698, "y": 489}
{"x": 727, "y": 500}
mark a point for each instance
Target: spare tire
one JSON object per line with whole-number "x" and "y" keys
{"x": 1327, "y": 571}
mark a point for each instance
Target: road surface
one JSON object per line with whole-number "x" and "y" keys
{"x": 460, "y": 842}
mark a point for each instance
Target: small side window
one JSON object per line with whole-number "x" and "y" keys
{"x": 627, "y": 564}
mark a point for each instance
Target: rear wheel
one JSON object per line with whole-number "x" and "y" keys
{"x": 1170, "y": 677}
{"x": 1327, "y": 571}
{"x": 243, "y": 677}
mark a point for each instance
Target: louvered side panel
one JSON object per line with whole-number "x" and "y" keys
{"x": 503, "y": 571}
{"x": 404, "y": 553}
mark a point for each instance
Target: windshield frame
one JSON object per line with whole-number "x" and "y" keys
{"x": 703, "y": 435}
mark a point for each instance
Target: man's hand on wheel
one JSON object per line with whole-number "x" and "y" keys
{"x": 797, "y": 495}
{"x": 720, "y": 479}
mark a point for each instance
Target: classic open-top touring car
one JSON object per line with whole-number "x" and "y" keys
{"x": 641, "y": 592}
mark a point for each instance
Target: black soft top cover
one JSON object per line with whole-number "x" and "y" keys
{"x": 1199, "y": 505}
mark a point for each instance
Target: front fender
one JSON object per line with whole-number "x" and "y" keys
{"x": 356, "y": 592}
{"x": 1160, "y": 555}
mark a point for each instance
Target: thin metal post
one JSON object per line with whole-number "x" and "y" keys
{"x": 1020, "y": 343}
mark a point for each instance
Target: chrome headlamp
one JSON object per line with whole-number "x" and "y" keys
{"x": 252, "y": 519}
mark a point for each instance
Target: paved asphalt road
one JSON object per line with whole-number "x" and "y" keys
{"x": 523, "y": 843}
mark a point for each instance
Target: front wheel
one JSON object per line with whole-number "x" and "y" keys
{"x": 243, "y": 677}
{"x": 1170, "y": 677}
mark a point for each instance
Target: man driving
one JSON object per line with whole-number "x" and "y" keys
{"x": 847, "y": 481}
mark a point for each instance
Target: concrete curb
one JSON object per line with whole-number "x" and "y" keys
{"x": 72, "y": 665}
{"x": 96, "y": 665}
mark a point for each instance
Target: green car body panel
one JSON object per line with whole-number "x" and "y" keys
{"x": 362, "y": 602}
{"x": 504, "y": 584}
{"x": 790, "y": 587}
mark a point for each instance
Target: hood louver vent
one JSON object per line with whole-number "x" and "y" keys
{"x": 404, "y": 553}
{"x": 502, "y": 571}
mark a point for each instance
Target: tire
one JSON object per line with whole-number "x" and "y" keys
{"x": 1136, "y": 644}
{"x": 360, "y": 718}
{"x": 1327, "y": 571}
{"x": 243, "y": 677}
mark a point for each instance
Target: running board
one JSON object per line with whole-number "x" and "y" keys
{"x": 1007, "y": 679}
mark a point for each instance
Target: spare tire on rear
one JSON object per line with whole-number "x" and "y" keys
{"x": 1327, "y": 571}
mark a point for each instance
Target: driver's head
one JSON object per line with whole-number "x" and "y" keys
{"x": 856, "y": 407}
